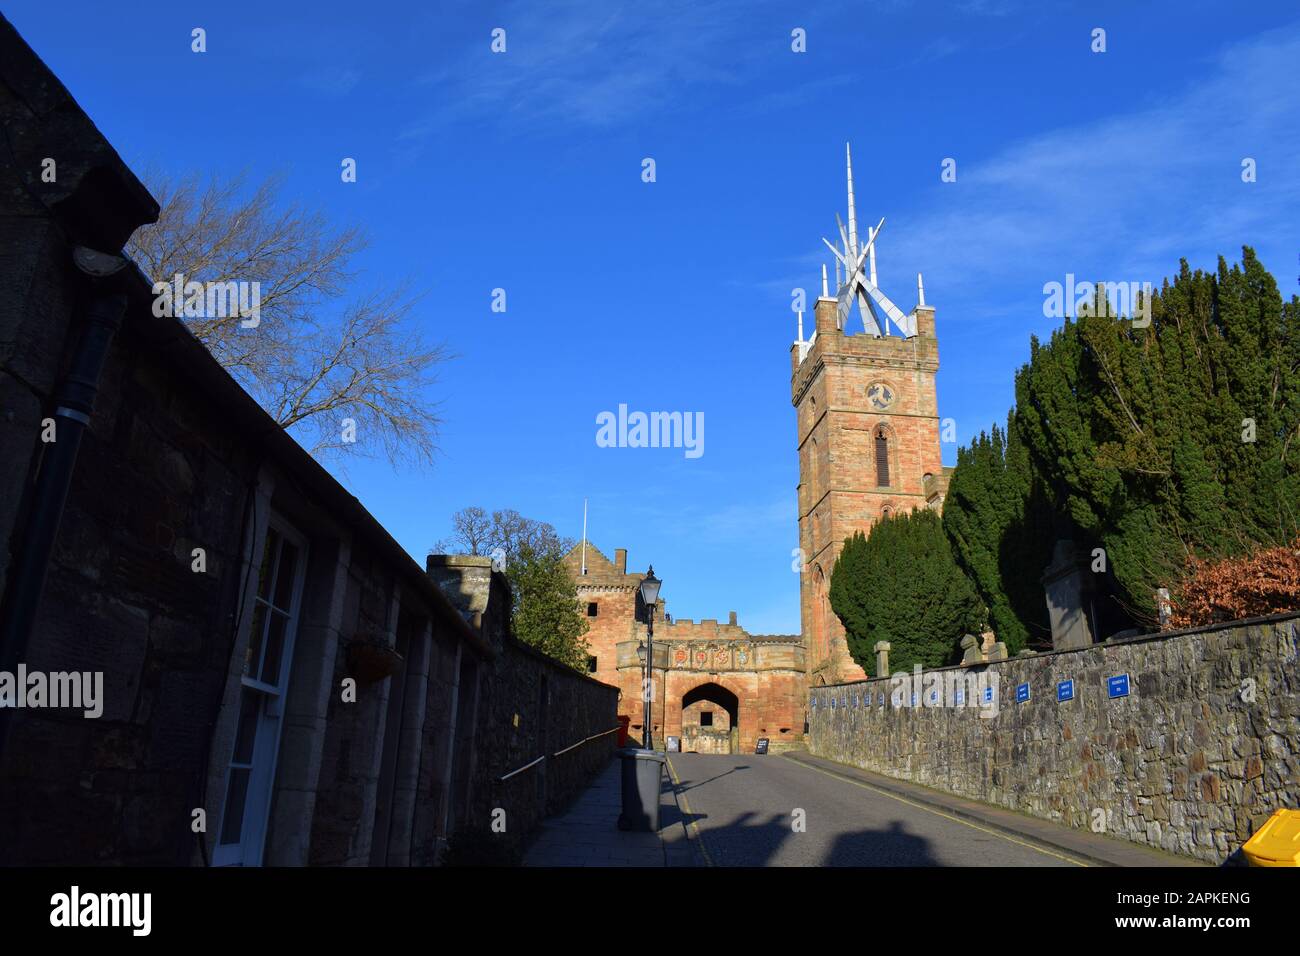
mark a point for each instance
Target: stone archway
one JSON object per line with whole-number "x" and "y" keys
{"x": 710, "y": 719}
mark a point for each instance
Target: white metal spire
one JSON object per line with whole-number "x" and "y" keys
{"x": 853, "y": 216}
{"x": 871, "y": 254}
{"x": 920, "y": 291}
{"x": 859, "y": 262}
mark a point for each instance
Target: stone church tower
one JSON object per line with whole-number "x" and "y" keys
{"x": 868, "y": 431}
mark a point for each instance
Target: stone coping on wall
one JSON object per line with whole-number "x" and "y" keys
{"x": 1100, "y": 645}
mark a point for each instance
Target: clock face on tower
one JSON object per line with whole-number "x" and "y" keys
{"x": 880, "y": 395}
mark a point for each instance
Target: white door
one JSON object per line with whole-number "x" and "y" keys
{"x": 241, "y": 834}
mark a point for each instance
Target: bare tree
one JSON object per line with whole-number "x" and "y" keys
{"x": 475, "y": 532}
{"x": 471, "y": 531}
{"x": 317, "y": 355}
{"x": 513, "y": 533}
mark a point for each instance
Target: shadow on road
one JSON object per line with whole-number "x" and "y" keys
{"x": 684, "y": 788}
{"x": 756, "y": 839}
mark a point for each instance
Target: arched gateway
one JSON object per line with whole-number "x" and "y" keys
{"x": 710, "y": 720}
{"x": 749, "y": 685}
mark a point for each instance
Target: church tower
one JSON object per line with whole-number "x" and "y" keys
{"x": 868, "y": 429}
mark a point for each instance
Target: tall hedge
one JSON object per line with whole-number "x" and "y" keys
{"x": 1000, "y": 523}
{"x": 901, "y": 585}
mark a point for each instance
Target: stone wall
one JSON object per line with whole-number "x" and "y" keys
{"x": 1204, "y": 747}
{"x": 536, "y": 707}
{"x": 529, "y": 706}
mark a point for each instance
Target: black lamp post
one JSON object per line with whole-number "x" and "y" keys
{"x": 650, "y": 597}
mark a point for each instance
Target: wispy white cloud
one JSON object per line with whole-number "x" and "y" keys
{"x": 1128, "y": 194}
{"x": 585, "y": 64}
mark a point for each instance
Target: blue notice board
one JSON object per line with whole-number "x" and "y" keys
{"x": 1022, "y": 693}
{"x": 1117, "y": 686}
{"x": 1065, "y": 690}
{"x": 988, "y": 695}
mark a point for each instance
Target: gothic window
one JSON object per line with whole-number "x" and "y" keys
{"x": 591, "y": 665}
{"x": 882, "y": 458}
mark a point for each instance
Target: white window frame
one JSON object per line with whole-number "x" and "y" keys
{"x": 266, "y": 746}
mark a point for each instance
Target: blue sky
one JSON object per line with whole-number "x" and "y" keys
{"x": 523, "y": 171}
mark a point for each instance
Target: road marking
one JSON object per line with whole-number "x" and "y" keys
{"x": 691, "y": 825}
{"x": 937, "y": 813}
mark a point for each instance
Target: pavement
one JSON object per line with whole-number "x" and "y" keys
{"x": 798, "y": 810}
{"x": 587, "y": 834}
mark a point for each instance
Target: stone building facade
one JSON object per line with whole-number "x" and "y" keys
{"x": 716, "y": 687}
{"x": 868, "y": 437}
{"x": 281, "y": 683}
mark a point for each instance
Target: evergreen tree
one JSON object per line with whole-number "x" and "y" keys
{"x": 1174, "y": 441}
{"x": 902, "y": 585}
{"x": 1000, "y": 526}
{"x": 547, "y": 613}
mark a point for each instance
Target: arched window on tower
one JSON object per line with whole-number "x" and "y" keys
{"x": 882, "y": 458}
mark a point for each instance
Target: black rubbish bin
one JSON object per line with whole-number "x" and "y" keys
{"x": 643, "y": 772}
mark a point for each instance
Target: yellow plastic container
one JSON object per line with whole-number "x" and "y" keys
{"x": 1277, "y": 842}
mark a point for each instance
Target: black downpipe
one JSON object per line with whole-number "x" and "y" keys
{"x": 74, "y": 402}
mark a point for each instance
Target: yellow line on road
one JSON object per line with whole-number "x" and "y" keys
{"x": 691, "y": 825}
{"x": 937, "y": 813}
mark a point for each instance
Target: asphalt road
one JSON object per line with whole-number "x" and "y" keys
{"x": 743, "y": 811}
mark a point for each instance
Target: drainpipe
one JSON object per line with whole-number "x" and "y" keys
{"x": 74, "y": 401}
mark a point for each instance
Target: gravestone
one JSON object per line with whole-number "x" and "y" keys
{"x": 1067, "y": 585}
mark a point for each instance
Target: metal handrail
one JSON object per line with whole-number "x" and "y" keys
{"x": 581, "y": 742}
{"x": 523, "y": 768}
{"x": 534, "y": 763}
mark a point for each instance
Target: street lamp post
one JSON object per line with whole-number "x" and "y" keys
{"x": 650, "y": 597}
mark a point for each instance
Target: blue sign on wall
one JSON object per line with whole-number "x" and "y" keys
{"x": 913, "y": 698}
{"x": 1022, "y": 693}
{"x": 1065, "y": 690}
{"x": 988, "y": 695}
{"x": 1117, "y": 686}
{"x": 961, "y": 696}
{"x": 934, "y": 696}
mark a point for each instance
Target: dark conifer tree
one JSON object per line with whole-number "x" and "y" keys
{"x": 902, "y": 585}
